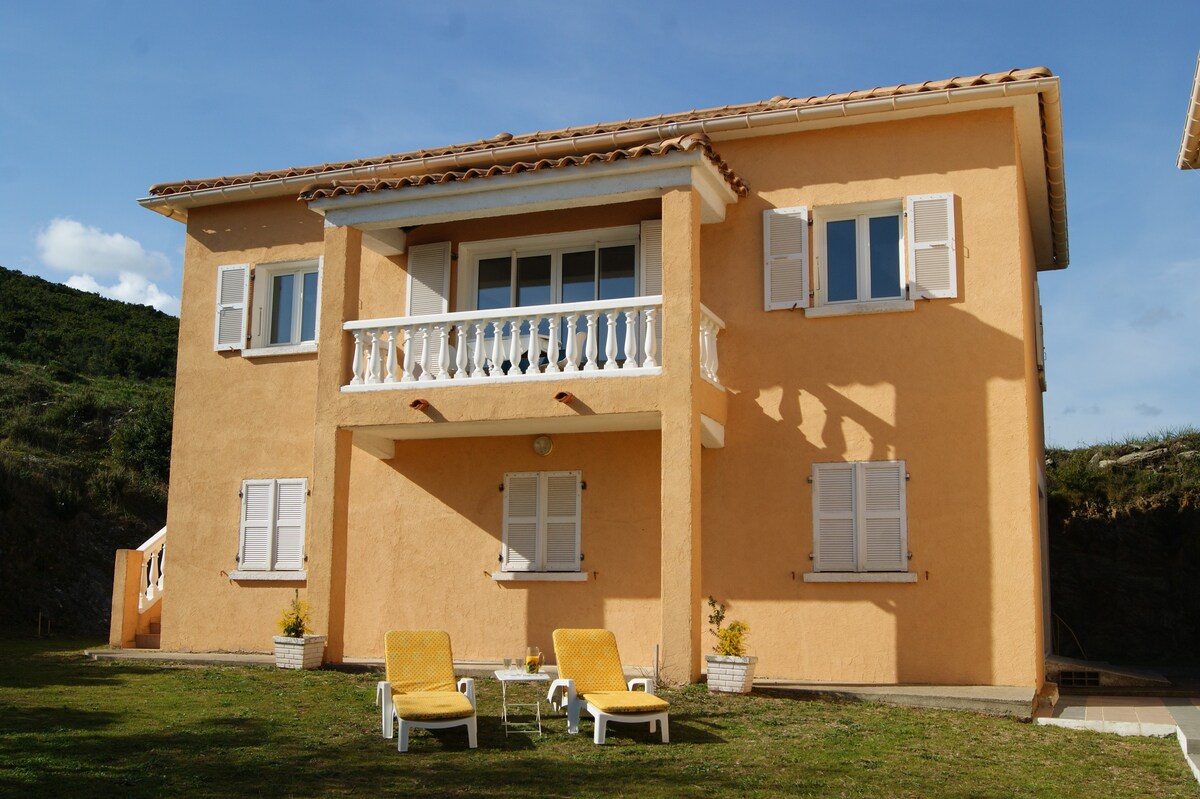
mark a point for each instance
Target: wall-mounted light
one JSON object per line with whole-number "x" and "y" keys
{"x": 419, "y": 404}
{"x": 542, "y": 445}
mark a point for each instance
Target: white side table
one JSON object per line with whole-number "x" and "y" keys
{"x": 505, "y": 676}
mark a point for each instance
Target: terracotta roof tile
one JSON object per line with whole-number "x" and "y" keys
{"x": 502, "y": 141}
{"x": 694, "y": 141}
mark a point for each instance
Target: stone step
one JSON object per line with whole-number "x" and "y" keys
{"x": 155, "y": 627}
{"x": 148, "y": 641}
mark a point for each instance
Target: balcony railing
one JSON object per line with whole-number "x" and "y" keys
{"x": 606, "y": 338}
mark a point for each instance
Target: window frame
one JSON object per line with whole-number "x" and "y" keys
{"x": 271, "y": 571}
{"x": 541, "y": 564}
{"x": 262, "y": 282}
{"x": 555, "y": 245}
{"x": 860, "y": 213}
{"x": 860, "y": 514}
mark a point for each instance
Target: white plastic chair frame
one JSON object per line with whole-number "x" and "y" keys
{"x": 383, "y": 696}
{"x": 562, "y": 696}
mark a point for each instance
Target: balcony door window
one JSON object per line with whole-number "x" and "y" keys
{"x": 520, "y": 279}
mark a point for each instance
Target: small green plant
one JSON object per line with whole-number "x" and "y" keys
{"x": 294, "y": 621}
{"x": 731, "y": 640}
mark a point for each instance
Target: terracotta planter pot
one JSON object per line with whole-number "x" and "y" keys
{"x": 299, "y": 653}
{"x": 730, "y": 675}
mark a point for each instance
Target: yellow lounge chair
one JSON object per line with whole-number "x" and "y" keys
{"x": 420, "y": 690}
{"x": 589, "y": 669}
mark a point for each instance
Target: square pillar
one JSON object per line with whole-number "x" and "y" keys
{"x": 680, "y": 467}
{"x": 325, "y": 542}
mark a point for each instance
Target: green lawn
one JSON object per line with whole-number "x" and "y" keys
{"x": 73, "y": 727}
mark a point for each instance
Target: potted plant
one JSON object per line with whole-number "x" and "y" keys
{"x": 730, "y": 670}
{"x": 297, "y": 648}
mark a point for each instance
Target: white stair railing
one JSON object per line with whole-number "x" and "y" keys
{"x": 154, "y": 555}
{"x": 608, "y": 337}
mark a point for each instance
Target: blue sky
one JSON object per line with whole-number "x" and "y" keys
{"x": 99, "y": 100}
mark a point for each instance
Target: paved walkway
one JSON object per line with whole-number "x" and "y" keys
{"x": 1132, "y": 715}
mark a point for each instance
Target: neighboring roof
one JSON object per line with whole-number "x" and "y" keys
{"x": 693, "y": 141}
{"x": 1189, "y": 148}
{"x": 504, "y": 141}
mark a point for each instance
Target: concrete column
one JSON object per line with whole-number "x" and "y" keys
{"x": 127, "y": 575}
{"x": 680, "y": 481}
{"x": 325, "y": 544}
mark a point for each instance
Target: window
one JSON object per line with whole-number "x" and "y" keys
{"x": 573, "y": 274}
{"x": 860, "y": 518}
{"x": 285, "y": 309}
{"x": 859, "y": 254}
{"x": 868, "y": 257}
{"x": 542, "y": 515}
{"x": 272, "y": 526}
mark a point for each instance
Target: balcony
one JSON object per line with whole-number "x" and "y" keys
{"x": 605, "y": 338}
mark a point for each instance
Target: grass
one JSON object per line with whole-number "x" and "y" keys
{"x": 77, "y": 727}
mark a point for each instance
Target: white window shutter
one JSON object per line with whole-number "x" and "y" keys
{"x": 428, "y": 279}
{"x": 520, "y": 521}
{"x": 290, "y": 500}
{"x": 785, "y": 258}
{"x": 932, "y": 262}
{"x": 563, "y": 520}
{"x": 1039, "y": 341}
{"x": 833, "y": 517}
{"x": 258, "y": 512}
{"x": 884, "y": 516}
{"x": 229, "y": 327}
{"x": 651, "y": 280}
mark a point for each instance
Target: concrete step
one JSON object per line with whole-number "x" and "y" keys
{"x": 155, "y": 627}
{"x": 148, "y": 641}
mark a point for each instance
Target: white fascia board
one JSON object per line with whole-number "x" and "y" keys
{"x": 528, "y": 192}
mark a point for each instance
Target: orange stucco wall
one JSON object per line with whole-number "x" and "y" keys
{"x": 950, "y": 387}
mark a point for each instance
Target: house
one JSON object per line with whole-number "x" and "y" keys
{"x": 1189, "y": 147}
{"x": 784, "y": 353}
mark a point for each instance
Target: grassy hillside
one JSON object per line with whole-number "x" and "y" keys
{"x": 86, "y": 394}
{"x": 1125, "y": 550}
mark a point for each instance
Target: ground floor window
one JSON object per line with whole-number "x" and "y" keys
{"x": 272, "y": 525}
{"x": 542, "y": 520}
{"x": 860, "y": 517}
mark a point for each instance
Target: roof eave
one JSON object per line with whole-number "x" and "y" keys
{"x": 1189, "y": 147}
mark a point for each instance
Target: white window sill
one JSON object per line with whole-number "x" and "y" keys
{"x": 285, "y": 349}
{"x": 856, "y": 308}
{"x": 248, "y": 576}
{"x": 540, "y": 577}
{"x": 860, "y": 577}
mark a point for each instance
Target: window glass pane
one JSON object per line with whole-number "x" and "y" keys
{"x": 308, "y": 313}
{"x": 282, "y": 289}
{"x": 616, "y": 272}
{"x": 579, "y": 276}
{"x": 885, "y": 256}
{"x": 842, "y": 255}
{"x": 533, "y": 280}
{"x": 495, "y": 284}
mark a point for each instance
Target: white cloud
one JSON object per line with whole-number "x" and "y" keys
{"x": 129, "y": 287}
{"x": 69, "y": 246}
{"x": 88, "y": 253}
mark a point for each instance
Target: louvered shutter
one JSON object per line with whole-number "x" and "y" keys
{"x": 1039, "y": 341}
{"x": 428, "y": 292}
{"x": 520, "y": 521}
{"x": 563, "y": 520}
{"x": 785, "y": 258}
{"x": 883, "y": 516}
{"x": 258, "y": 511}
{"x": 651, "y": 256}
{"x": 932, "y": 263}
{"x": 229, "y": 327}
{"x": 833, "y": 517}
{"x": 290, "y": 501}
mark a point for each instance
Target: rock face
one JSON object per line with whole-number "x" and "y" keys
{"x": 1146, "y": 456}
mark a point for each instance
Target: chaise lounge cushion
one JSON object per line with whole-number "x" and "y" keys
{"x": 432, "y": 705}
{"x": 590, "y": 658}
{"x": 626, "y": 701}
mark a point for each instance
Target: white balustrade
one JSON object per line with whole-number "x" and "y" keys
{"x": 609, "y": 337}
{"x": 154, "y": 556}
{"x": 710, "y": 326}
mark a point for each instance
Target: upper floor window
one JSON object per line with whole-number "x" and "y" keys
{"x": 859, "y": 253}
{"x": 537, "y": 276}
{"x": 269, "y": 309}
